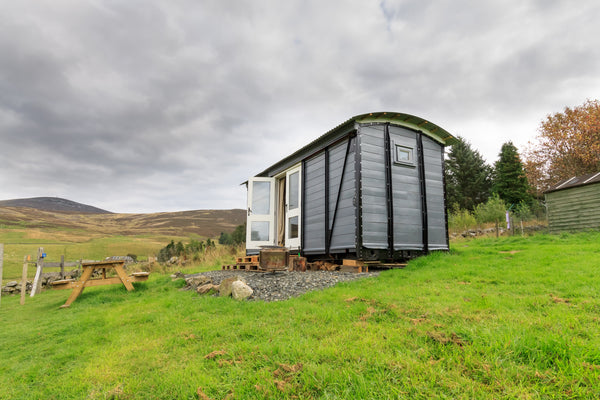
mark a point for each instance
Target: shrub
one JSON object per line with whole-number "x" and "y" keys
{"x": 461, "y": 220}
{"x": 523, "y": 212}
{"x": 494, "y": 210}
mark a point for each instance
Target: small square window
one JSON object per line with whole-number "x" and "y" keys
{"x": 404, "y": 155}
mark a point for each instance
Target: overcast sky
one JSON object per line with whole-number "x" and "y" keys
{"x": 148, "y": 105}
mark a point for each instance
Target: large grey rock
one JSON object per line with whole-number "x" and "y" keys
{"x": 240, "y": 291}
{"x": 225, "y": 287}
{"x": 12, "y": 283}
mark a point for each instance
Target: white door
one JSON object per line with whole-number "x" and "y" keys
{"x": 260, "y": 224}
{"x": 293, "y": 197}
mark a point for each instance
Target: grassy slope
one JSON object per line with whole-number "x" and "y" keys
{"x": 96, "y": 236}
{"x": 507, "y": 318}
{"x": 74, "y": 245}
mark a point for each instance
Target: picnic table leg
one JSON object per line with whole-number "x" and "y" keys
{"x": 123, "y": 276}
{"x": 87, "y": 273}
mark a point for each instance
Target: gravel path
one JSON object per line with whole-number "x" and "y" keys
{"x": 283, "y": 285}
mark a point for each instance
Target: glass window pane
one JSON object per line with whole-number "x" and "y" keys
{"x": 261, "y": 203}
{"x": 294, "y": 190}
{"x": 293, "y": 227}
{"x": 259, "y": 231}
{"x": 404, "y": 154}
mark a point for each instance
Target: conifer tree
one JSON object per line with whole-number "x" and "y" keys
{"x": 468, "y": 177}
{"x": 510, "y": 182}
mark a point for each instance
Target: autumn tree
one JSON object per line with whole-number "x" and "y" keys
{"x": 567, "y": 145}
{"x": 468, "y": 177}
{"x": 510, "y": 182}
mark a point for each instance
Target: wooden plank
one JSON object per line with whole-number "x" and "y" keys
{"x": 64, "y": 284}
{"x": 102, "y": 282}
{"x": 78, "y": 287}
{"x": 353, "y": 263}
{"x": 123, "y": 276}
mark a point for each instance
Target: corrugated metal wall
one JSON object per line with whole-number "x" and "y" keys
{"x": 574, "y": 209}
{"x": 314, "y": 205}
{"x": 406, "y": 189}
{"x": 406, "y": 194}
{"x": 436, "y": 209}
{"x": 373, "y": 188}
{"x": 344, "y": 229}
{"x": 408, "y": 223}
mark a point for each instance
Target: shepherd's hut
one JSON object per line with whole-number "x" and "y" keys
{"x": 371, "y": 188}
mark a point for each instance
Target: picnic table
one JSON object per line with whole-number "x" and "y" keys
{"x": 86, "y": 279}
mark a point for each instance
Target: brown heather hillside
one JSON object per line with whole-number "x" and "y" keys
{"x": 205, "y": 223}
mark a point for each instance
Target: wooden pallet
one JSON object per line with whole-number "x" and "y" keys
{"x": 249, "y": 266}
{"x": 248, "y": 259}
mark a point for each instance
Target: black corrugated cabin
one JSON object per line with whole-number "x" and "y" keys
{"x": 372, "y": 188}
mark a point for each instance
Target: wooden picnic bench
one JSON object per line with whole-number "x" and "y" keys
{"x": 86, "y": 279}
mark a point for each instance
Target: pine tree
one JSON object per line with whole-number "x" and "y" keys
{"x": 510, "y": 182}
{"x": 468, "y": 177}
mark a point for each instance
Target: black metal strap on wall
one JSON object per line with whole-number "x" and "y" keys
{"x": 424, "y": 218}
{"x": 327, "y": 230}
{"x": 358, "y": 198}
{"x": 302, "y": 206}
{"x": 445, "y": 198}
{"x": 389, "y": 190}
{"x": 339, "y": 195}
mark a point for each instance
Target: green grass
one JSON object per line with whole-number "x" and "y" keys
{"x": 494, "y": 318}
{"x": 74, "y": 245}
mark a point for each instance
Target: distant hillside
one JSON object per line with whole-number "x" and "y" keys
{"x": 53, "y": 204}
{"x": 204, "y": 223}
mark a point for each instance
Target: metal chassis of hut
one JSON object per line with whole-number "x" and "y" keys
{"x": 370, "y": 189}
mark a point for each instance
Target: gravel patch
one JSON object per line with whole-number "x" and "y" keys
{"x": 284, "y": 285}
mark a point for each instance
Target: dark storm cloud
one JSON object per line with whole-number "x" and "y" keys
{"x": 173, "y": 103}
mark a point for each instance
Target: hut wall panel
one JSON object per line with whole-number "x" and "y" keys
{"x": 344, "y": 230}
{"x": 436, "y": 210}
{"x": 314, "y": 207}
{"x": 574, "y": 209}
{"x": 406, "y": 194}
{"x": 373, "y": 189}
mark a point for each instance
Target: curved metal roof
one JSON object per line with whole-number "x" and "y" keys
{"x": 409, "y": 121}
{"x": 412, "y": 122}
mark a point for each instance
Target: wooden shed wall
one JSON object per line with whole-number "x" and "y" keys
{"x": 574, "y": 209}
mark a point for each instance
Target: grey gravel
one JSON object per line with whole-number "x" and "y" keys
{"x": 284, "y": 285}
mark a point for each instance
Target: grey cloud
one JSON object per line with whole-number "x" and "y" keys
{"x": 180, "y": 101}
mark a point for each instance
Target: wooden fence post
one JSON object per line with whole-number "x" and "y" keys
{"x": 1, "y": 265}
{"x": 62, "y": 266}
{"x": 24, "y": 280}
